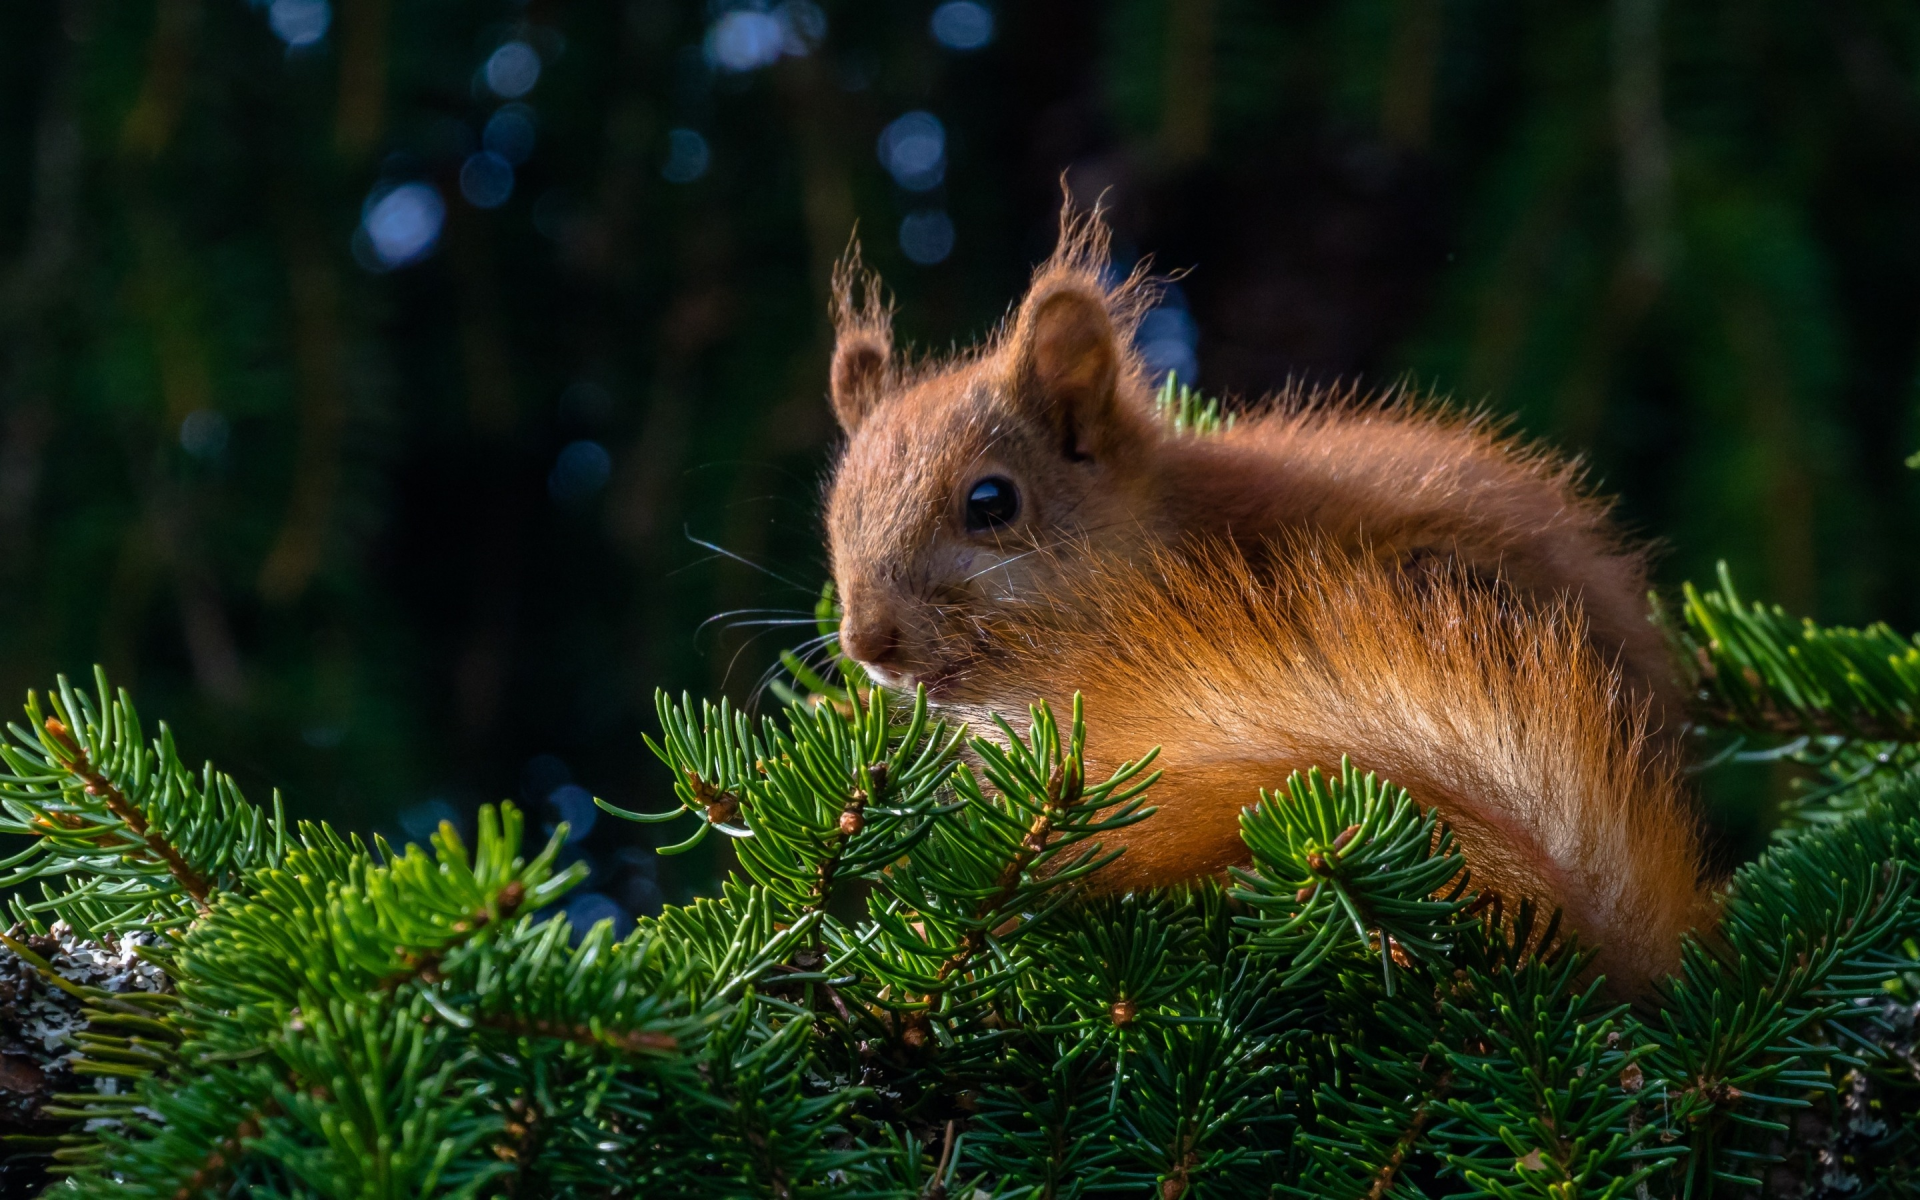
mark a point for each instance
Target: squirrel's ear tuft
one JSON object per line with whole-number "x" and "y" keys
{"x": 1069, "y": 359}
{"x": 858, "y": 377}
{"x": 863, "y": 339}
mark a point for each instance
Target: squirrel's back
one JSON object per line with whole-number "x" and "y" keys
{"x": 983, "y": 481}
{"x": 1411, "y": 481}
{"x": 1496, "y": 711}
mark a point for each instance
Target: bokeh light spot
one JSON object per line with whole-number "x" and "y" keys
{"x": 486, "y": 179}
{"x": 582, "y": 469}
{"x": 1167, "y": 338}
{"x": 687, "y": 156}
{"x": 962, "y": 25}
{"x": 745, "y": 40}
{"x": 913, "y": 149}
{"x": 510, "y": 133}
{"x": 640, "y": 892}
{"x": 927, "y": 237}
{"x": 299, "y": 22}
{"x": 403, "y": 224}
{"x": 1177, "y": 357}
{"x": 574, "y": 805}
{"x": 203, "y": 433}
{"x": 513, "y": 69}
{"x": 586, "y": 909}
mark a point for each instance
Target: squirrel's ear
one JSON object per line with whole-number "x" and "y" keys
{"x": 863, "y": 339}
{"x": 858, "y": 376}
{"x": 1069, "y": 360}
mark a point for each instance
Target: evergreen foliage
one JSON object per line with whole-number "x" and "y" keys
{"x": 1188, "y": 411}
{"x": 252, "y": 462}
{"x": 1852, "y": 696}
{"x": 1769, "y": 671}
{"x": 907, "y": 990}
{"x": 323, "y": 508}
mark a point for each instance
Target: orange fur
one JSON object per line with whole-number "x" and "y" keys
{"x": 1497, "y": 713}
{"x": 1427, "y": 517}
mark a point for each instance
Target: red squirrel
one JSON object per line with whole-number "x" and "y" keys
{"x": 1019, "y": 519}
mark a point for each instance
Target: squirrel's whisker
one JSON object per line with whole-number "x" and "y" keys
{"x": 742, "y": 559}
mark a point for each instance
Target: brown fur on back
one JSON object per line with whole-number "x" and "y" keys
{"x": 1411, "y": 481}
{"x": 1496, "y": 712}
{"x": 1405, "y": 480}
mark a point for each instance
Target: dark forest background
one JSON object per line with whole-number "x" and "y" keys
{"x": 372, "y": 372}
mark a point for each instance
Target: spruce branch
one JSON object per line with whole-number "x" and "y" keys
{"x": 1064, "y": 782}
{"x": 829, "y": 793}
{"x": 812, "y": 685}
{"x": 328, "y": 978}
{"x": 993, "y": 868}
{"x": 1348, "y": 864}
{"x": 69, "y": 756}
{"x": 355, "y": 1020}
{"x": 1369, "y": 1125}
{"x": 1754, "y": 1025}
{"x": 382, "y": 1106}
{"x": 1127, "y": 962}
{"x": 1554, "y": 1097}
{"x": 329, "y": 923}
{"x": 769, "y": 1136}
{"x": 1138, "y": 1052}
{"x": 1388, "y": 1172}
{"x": 136, "y": 838}
{"x": 1046, "y": 1119}
{"x": 219, "y": 1162}
{"x": 1198, "y": 1112}
{"x": 1757, "y": 668}
{"x": 625, "y": 997}
{"x": 200, "y": 1142}
{"x": 846, "y": 792}
{"x": 1839, "y": 702}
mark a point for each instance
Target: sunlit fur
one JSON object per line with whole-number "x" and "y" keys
{"x": 1419, "y": 656}
{"x": 1397, "y": 477}
{"x": 1494, "y": 711}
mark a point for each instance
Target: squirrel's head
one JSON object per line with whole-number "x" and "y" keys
{"x": 974, "y": 484}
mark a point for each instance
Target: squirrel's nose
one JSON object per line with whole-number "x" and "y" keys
{"x": 875, "y": 643}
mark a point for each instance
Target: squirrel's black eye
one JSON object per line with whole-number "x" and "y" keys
{"x": 992, "y": 503}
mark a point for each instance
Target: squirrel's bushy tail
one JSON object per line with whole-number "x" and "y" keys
{"x": 1497, "y": 713}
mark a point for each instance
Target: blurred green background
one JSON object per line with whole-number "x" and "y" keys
{"x": 376, "y": 375}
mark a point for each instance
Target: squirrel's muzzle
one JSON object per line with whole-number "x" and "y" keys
{"x": 871, "y": 639}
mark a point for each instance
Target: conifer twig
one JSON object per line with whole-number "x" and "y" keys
{"x": 936, "y": 1188}
{"x": 73, "y": 759}
{"x": 221, "y": 1159}
{"x": 1403, "y": 1146}
{"x": 1063, "y": 791}
{"x": 851, "y": 821}
{"x": 426, "y": 967}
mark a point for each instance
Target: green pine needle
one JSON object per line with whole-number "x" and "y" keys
{"x": 355, "y": 1020}
{"x": 1187, "y": 411}
{"x": 1350, "y": 865}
